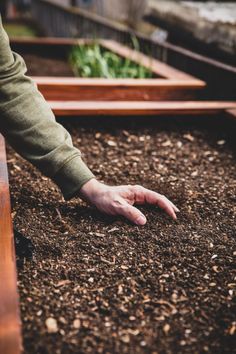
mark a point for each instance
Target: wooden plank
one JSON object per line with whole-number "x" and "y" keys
{"x": 156, "y": 66}
{"x": 196, "y": 57}
{"x": 74, "y": 89}
{"x": 124, "y": 108}
{"x": 46, "y": 41}
{"x": 231, "y": 113}
{"x": 49, "y": 41}
{"x": 118, "y": 82}
{"x": 10, "y": 337}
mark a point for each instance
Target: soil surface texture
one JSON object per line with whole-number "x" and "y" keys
{"x": 44, "y": 66}
{"x": 98, "y": 284}
{"x": 51, "y": 66}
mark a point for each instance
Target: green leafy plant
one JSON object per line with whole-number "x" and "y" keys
{"x": 94, "y": 61}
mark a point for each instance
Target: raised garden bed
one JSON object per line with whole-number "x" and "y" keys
{"x": 97, "y": 283}
{"x": 71, "y": 22}
{"x": 74, "y": 96}
{"x": 169, "y": 84}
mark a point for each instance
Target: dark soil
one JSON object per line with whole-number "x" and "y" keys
{"x": 106, "y": 286}
{"x": 45, "y": 66}
{"x": 50, "y": 66}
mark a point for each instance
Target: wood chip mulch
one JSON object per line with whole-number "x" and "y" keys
{"x": 97, "y": 284}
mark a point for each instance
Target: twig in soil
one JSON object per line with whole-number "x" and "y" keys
{"x": 102, "y": 288}
{"x": 59, "y": 215}
{"x": 109, "y": 262}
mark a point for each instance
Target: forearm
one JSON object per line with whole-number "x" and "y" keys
{"x": 29, "y": 125}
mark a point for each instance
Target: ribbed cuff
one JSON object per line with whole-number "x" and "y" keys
{"x": 72, "y": 176}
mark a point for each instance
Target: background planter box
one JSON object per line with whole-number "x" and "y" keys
{"x": 60, "y": 21}
{"x": 169, "y": 84}
{"x": 172, "y": 93}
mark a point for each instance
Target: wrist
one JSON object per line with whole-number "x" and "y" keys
{"x": 90, "y": 189}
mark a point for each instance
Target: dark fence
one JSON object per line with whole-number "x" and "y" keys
{"x": 62, "y": 21}
{"x": 74, "y": 22}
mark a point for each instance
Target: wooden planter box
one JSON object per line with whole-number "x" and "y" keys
{"x": 172, "y": 93}
{"x": 71, "y": 22}
{"x": 170, "y": 83}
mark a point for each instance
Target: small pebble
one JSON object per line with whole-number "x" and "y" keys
{"x": 76, "y": 323}
{"x": 132, "y": 318}
{"x": 166, "y": 328}
{"x": 124, "y": 267}
{"x": 189, "y": 137}
{"x": 111, "y": 143}
{"x": 125, "y": 338}
{"x": 51, "y": 325}
{"x": 220, "y": 142}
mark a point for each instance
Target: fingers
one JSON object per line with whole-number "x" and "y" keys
{"x": 174, "y": 207}
{"x": 131, "y": 213}
{"x": 143, "y": 195}
{"x": 166, "y": 205}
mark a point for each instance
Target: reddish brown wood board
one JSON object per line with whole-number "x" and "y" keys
{"x": 75, "y": 89}
{"x": 156, "y": 66}
{"x": 123, "y": 108}
{"x": 10, "y": 336}
{"x": 231, "y": 113}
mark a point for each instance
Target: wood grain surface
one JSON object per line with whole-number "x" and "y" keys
{"x": 157, "y": 66}
{"x": 124, "y": 108}
{"x": 76, "y": 89}
{"x": 10, "y": 336}
{"x": 231, "y": 113}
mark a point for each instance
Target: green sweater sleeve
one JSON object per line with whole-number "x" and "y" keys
{"x": 29, "y": 125}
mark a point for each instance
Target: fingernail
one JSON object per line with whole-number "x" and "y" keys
{"x": 141, "y": 220}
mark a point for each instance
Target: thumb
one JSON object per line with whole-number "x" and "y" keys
{"x": 133, "y": 214}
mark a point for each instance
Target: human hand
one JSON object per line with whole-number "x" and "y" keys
{"x": 119, "y": 200}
